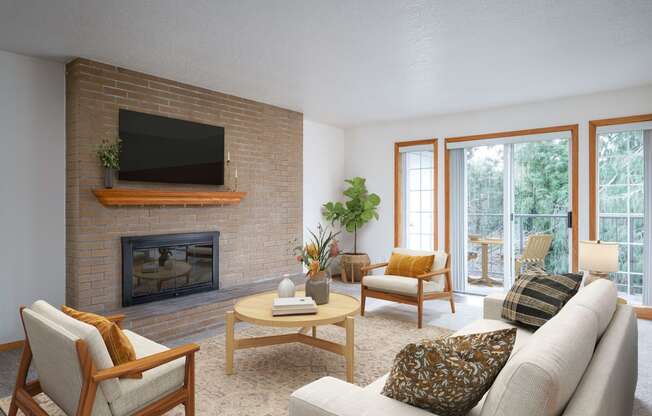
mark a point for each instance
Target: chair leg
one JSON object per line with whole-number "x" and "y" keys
{"x": 363, "y": 299}
{"x": 21, "y": 377}
{"x": 452, "y": 302}
{"x": 189, "y": 381}
{"x": 420, "y": 304}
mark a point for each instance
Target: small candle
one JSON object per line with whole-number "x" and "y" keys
{"x": 228, "y": 156}
{"x": 236, "y": 173}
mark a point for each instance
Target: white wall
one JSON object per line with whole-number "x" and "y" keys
{"x": 324, "y": 158}
{"x": 32, "y": 185}
{"x": 371, "y": 147}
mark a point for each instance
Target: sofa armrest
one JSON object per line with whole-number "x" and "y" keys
{"x": 329, "y": 396}
{"x": 493, "y": 306}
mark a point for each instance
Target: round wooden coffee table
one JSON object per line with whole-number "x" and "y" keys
{"x": 257, "y": 310}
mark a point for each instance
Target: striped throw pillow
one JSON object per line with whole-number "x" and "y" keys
{"x": 537, "y": 296}
{"x": 411, "y": 266}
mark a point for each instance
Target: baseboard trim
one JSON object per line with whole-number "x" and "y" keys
{"x": 11, "y": 345}
{"x": 643, "y": 312}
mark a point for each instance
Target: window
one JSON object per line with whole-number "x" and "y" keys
{"x": 621, "y": 206}
{"x": 419, "y": 210}
{"x": 415, "y": 196}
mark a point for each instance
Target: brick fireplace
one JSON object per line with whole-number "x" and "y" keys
{"x": 265, "y": 143}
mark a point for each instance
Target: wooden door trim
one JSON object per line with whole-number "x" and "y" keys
{"x": 398, "y": 210}
{"x": 593, "y": 163}
{"x": 573, "y": 128}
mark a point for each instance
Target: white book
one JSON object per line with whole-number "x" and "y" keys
{"x": 290, "y": 303}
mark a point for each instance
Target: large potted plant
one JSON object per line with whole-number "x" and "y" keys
{"x": 360, "y": 208}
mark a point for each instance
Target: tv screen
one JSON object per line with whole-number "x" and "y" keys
{"x": 162, "y": 149}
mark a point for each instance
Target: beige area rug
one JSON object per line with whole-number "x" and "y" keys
{"x": 265, "y": 377}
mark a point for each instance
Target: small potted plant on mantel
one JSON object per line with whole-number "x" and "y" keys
{"x": 109, "y": 154}
{"x": 361, "y": 208}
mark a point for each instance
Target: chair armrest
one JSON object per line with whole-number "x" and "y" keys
{"x": 117, "y": 319}
{"x": 433, "y": 273}
{"x": 365, "y": 269}
{"x": 146, "y": 363}
{"x": 493, "y": 306}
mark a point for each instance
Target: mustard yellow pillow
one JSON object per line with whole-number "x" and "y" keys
{"x": 411, "y": 266}
{"x": 117, "y": 343}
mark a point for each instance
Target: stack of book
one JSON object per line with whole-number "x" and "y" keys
{"x": 293, "y": 306}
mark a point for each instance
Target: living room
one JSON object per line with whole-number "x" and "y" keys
{"x": 326, "y": 208}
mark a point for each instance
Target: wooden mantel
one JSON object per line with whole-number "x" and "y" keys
{"x": 145, "y": 197}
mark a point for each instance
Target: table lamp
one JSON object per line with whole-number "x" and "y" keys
{"x": 598, "y": 259}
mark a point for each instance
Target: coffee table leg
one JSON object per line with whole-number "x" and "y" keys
{"x": 349, "y": 347}
{"x": 230, "y": 335}
{"x": 314, "y": 332}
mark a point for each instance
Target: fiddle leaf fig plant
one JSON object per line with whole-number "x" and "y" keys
{"x": 360, "y": 208}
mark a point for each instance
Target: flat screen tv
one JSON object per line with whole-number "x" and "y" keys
{"x": 162, "y": 149}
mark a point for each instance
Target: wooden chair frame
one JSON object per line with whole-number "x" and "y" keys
{"x": 417, "y": 300}
{"x": 24, "y": 392}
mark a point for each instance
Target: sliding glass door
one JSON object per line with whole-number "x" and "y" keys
{"x": 515, "y": 190}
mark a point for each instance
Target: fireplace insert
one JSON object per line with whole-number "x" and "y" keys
{"x": 156, "y": 267}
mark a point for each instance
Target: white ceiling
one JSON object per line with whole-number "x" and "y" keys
{"x": 349, "y": 62}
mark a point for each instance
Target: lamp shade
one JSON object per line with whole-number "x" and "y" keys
{"x": 597, "y": 256}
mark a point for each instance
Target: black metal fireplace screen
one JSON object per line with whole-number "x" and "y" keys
{"x": 156, "y": 267}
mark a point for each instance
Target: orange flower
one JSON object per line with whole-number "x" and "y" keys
{"x": 314, "y": 268}
{"x": 311, "y": 249}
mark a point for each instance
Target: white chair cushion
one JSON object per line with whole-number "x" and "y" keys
{"x": 440, "y": 256}
{"x": 91, "y": 336}
{"x": 540, "y": 377}
{"x": 402, "y": 285}
{"x": 56, "y": 362}
{"x": 601, "y": 297}
{"x": 156, "y": 383}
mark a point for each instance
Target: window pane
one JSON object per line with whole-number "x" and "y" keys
{"x": 414, "y": 160}
{"x": 414, "y": 241}
{"x": 637, "y": 230}
{"x": 636, "y": 204}
{"x": 414, "y": 225}
{"x": 426, "y": 241}
{"x": 426, "y": 201}
{"x": 426, "y": 159}
{"x": 636, "y": 259}
{"x": 613, "y": 199}
{"x": 426, "y": 223}
{"x": 414, "y": 179}
{"x": 414, "y": 201}
{"x": 426, "y": 179}
{"x": 613, "y": 229}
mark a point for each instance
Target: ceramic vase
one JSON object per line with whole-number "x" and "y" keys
{"x": 108, "y": 177}
{"x": 318, "y": 287}
{"x": 286, "y": 288}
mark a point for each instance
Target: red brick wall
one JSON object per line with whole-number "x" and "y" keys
{"x": 265, "y": 143}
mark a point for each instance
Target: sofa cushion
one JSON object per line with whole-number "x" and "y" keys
{"x": 523, "y": 334}
{"x": 156, "y": 383}
{"x": 601, "y": 297}
{"x": 91, "y": 336}
{"x": 541, "y": 377}
{"x": 411, "y": 266}
{"x": 449, "y": 376}
{"x": 402, "y": 285}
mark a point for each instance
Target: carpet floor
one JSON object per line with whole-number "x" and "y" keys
{"x": 265, "y": 377}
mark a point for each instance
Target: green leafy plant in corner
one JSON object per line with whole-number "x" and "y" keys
{"x": 109, "y": 153}
{"x": 361, "y": 208}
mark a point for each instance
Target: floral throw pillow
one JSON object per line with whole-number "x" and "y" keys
{"x": 449, "y": 376}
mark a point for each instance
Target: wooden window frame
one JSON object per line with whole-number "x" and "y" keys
{"x": 398, "y": 209}
{"x": 593, "y": 163}
{"x": 572, "y": 128}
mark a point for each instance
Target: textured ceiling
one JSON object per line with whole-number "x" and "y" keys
{"x": 349, "y": 62}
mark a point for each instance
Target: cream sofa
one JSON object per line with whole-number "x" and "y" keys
{"x": 582, "y": 362}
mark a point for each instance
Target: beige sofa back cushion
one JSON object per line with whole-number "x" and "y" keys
{"x": 541, "y": 377}
{"x": 601, "y": 297}
{"x": 93, "y": 339}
